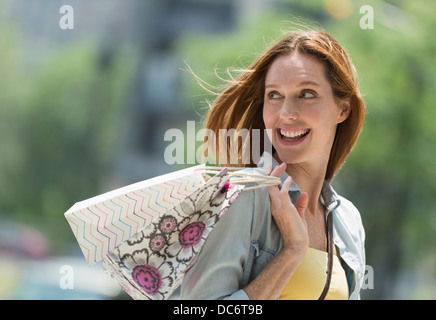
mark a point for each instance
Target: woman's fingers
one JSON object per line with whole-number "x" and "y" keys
{"x": 289, "y": 217}
{"x": 301, "y": 204}
{"x": 277, "y": 171}
{"x": 284, "y": 191}
{"x": 269, "y": 168}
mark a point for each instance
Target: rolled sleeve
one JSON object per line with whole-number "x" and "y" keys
{"x": 238, "y": 295}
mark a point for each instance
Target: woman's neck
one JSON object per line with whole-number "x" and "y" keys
{"x": 309, "y": 178}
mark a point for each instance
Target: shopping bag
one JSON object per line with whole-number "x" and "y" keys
{"x": 152, "y": 264}
{"x": 149, "y": 233}
{"x": 102, "y": 223}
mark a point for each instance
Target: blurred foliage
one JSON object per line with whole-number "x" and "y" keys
{"x": 394, "y": 179}
{"x": 390, "y": 174}
{"x": 60, "y": 123}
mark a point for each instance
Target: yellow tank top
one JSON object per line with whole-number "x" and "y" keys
{"x": 309, "y": 279}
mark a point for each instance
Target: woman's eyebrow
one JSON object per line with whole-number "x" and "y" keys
{"x": 271, "y": 86}
{"x": 309, "y": 82}
{"x": 303, "y": 83}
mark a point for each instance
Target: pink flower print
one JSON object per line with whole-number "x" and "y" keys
{"x": 220, "y": 194}
{"x": 227, "y": 186}
{"x": 148, "y": 278}
{"x": 153, "y": 274}
{"x": 157, "y": 242}
{"x": 191, "y": 234}
{"x": 193, "y": 231}
{"x": 167, "y": 224}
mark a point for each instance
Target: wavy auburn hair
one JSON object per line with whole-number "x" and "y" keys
{"x": 239, "y": 105}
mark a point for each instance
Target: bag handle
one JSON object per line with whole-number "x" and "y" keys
{"x": 329, "y": 230}
{"x": 243, "y": 177}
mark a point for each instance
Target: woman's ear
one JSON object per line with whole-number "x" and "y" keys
{"x": 345, "y": 107}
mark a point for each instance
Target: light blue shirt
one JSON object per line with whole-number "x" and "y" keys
{"x": 247, "y": 238}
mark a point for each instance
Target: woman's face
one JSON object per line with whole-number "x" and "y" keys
{"x": 300, "y": 109}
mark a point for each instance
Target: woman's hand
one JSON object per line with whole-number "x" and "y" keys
{"x": 290, "y": 219}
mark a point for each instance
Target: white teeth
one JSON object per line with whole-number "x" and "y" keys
{"x": 294, "y": 133}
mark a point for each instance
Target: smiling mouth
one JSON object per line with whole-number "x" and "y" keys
{"x": 292, "y": 136}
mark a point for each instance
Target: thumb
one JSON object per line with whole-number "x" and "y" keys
{"x": 301, "y": 204}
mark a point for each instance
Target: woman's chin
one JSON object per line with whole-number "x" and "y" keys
{"x": 287, "y": 157}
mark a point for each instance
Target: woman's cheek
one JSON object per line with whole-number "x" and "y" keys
{"x": 268, "y": 120}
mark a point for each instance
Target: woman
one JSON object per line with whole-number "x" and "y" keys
{"x": 273, "y": 243}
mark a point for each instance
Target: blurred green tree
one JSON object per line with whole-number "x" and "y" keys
{"x": 61, "y": 124}
{"x": 394, "y": 180}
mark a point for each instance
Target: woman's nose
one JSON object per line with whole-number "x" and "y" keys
{"x": 289, "y": 110}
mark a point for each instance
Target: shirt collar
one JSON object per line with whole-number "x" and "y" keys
{"x": 330, "y": 197}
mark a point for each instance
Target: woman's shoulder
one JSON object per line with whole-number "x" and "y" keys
{"x": 251, "y": 203}
{"x": 251, "y": 208}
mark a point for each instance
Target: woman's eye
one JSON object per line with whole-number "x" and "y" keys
{"x": 307, "y": 95}
{"x": 273, "y": 95}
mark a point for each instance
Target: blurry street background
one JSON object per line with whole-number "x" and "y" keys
{"x": 84, "y": 111}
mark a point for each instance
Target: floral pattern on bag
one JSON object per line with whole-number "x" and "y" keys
{"x": 152, "y": 263}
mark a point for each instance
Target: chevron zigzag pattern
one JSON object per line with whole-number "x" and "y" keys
{"x": 101, "y": 226}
